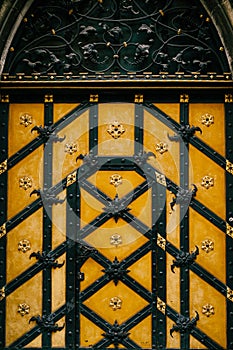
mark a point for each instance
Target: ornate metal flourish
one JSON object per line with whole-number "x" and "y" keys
{"x": 161, "y": 306}
{"x": 71, "y": 148}
{"x": 24, "y": 245}
{"x": 142, "y": 157}
{"x": 25, "y": 182}
{"x": 230, "y": 294}
{"x": 207, "y": 119}
{"x": 2, "y": 293}
{"x": 115, "y": 303}
{"x": 45, "y": 323}
{"x": 78, "y": 37}
{"x": 2, "y": 230}
{"x": 116, "y": 180}
{"x": 23, "y": 309}
{"x": 161, "y": 242}
{"x": 185, "y": 132}
{"x": 207, "y": 245}
{"x": 84, "y": 251}
{"x": 229, "y": 230}
{"x": 47, "y": 197}
{"x": 185, "y": 259}
{"x": 116, "y": 129}
{"x": 116, "y": 334}
{"x": 229, "y": 167}
{"x": 26, "y": 119}
{"x": 71, "y": 178}
{"x": 116, "y": 208}
{"x": 184, "y": 196}
{"x": 184, "y": 324}
{"x": 116, "y": 239}
{"x": 3, "y": 166}
{"x": 161, "y": 147}
{"x": 48, "y": 261}
{"x": 89, "y": 159}
{"x": 208, "y": 310}
{"x": 48, "y": 133}
{"x": 115, "y": 271}
{"x": 207, "y": 182}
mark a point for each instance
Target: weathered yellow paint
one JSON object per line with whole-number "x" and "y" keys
{"x": 171, "y": 109}
{"x": 173, "y": 285}
{"x": 59, "y": 285}
{"x": 141, "y": 333}
{"x": 195, "y": 344}
{"x": 31, "y": 294}
{"x": 18, "y": 134}
{"x": 58, "y": 338}
{"x": 90, "y": 333}
{"x": 140, "y": 271}
{"x": 131, "y": 239}
{"x": 200, "y": 230}
{"x": 213, "y": 135}
{"x": 173, "y": 221}
{"x": 172, "y": 343}
{"x": 30, "y": 229}
{"x": 62, "y": 109}
{"x": 132, "y": 303}
{"x": 141, "y": 208}
{"x": 90, "y": 208}
{"x": 75, "y": 132}
{"x": 31, "y": 166}
{"x": 213, "y": 197}
{"x": 59, "y": 222}
{"x": 154, "y": 133}
{"x": 124, "y": 114}
{"x": 130, "y": 180}
{"x": 201, "y": 294}
{"x": 92, "y": 271}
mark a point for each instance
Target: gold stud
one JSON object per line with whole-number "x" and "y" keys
{"x": 115, "y": 303}
{"x": 208, "y": 310}
{"x": 25, "y": 182}
{"x": 23, "y": 309}
{"x": 207, "y": 182}
{"x": 71, "y": 148}
{"x": 161, "y": 147}
{"x": 207, "y": 119}
{"x": 94, "y": 98}
{"x": 116, "y": 180}
{"x": 116, "y": 240}
{"x": 24, "y": 245}
{"x": 207, "y": 245}
{"x": 229, "y": 230}
{"x": 25, "y": 119}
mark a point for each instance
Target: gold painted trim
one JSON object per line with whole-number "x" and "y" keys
{"x": 229, "y": 294}
{"x": 161, "y": 306}
{"x": 161, "y": 242}
{"x": 48, "y": 98}
{"x": 228, "y": 98}
{"x": 161, "y": 179}
{"x": 229, "y": 167}
{"x": 3, "y": 166}
{"x": 94, "y": 98}
{"x": 2, "y": 230}
{"x": 229, "y": 230}
{"x": 138, "y": 98}
{"x": 71, "y": 178}
{"x": 2, "y": 293}
{"x": 5, "y": 98}
{"x": 184, "y": 98}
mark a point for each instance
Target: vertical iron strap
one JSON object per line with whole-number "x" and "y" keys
{"x": 138, "y": 128}
{"x": 93, "y": 129}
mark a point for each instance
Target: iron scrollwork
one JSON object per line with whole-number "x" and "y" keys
{"x": 116, "y": 208}
{"x": 48, "y": 261}
{"x": 45, "y": 323}
{"x": 185, "y": 132}
{"x": 183, "y": 196}
{"x": 47, "y": 197}
{"x": 48, "y": 133}
{"x": 185, "y": 259}
{"x": 115, "y": 271}
{"x": 116, "y": 334}
{"x": 184, "y": 324}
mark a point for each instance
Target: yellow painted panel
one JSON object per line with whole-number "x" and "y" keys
{"x": 195, "y": 344}
{"x": 202, "y": 294}
{"x": 90, "y": 208}
{"x": 92, "y": 271}
{"x": 141, "y": 271}
{"x": 172, "y": 343}
{"x": 141, "y": 208}
{"x": 36, "y": 343}
{"x": 90, "y": 333}
{"x": 201, "y": 230}
{"x": 130, "y": 180}
{"x": 76, "y": 133}
{"x": 171, "y": 109}
{"x": 173, "y": 285}
{"x": 213, "y": 197}
{"x": 58, "y": 338}
{"x": 132, "y": 303}
{"x": 59, "y": 222}
{"x": 29, "y": 229}
{"x": 20, "y": 134}
{"x": 173, "y": 221}
{"x": 32, "y": 167}
{"x": 31, "y": 294}
{"x": 142, "y": 333}
{"x": 131, "y": 240}
{"x": 156, "y": 132}
{"x": 62, "y": 109}
{"x": 59, "y": 285}
{"x": 123, "y": 113}
{"x": 214, "y": 134}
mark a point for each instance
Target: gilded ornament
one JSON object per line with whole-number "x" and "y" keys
{"x": 184, "y": 98}
{"x": 115, "y": 303}
{"x": 208, "y": 310}
{"x": 207, "y": 119}
{"x": 2, "y": 230}
{"x": 161, "y": 242}
{"x": 116, "y": 180}
{"x": 229, "y": 230}
{"x": 115, "y": 239}
{"x": 229, "y": 294}
{"x": 228, "y": 98}
{"x": 138, "y": 99}
{"x": 24, "y": 245}
{"x": 160, "y": 178}
{"x": 161, "y": 306}
{"x": 3, "y": 166}
{"x": 229, "y": 167}
{"x": 48, "y": 98}
{"x": 161, "y": 147}
{"x": 71, "y": 148}
{"x": 25, "y": 182}
{"x": 26, "y": 119}
{"x": 207, "y": 245}
{"x": 2, "y": 293}
{"x": 115, "y": 129}
{"x": 5, "y": 98}
{"x": 71, "y": 178}
{"x": 94, "y": 98}
{"x": 207, "y": 182}
{"x": 23, "y": 309}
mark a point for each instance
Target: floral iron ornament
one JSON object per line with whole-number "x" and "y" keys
{"x": 45, "y": 323}
{"x": 184, "y": 196}
{"x": 116, "y": 208}
{"x": 115, "y": 271}
{"x": 48, "y": 133}
{"x": 116, "y": 334}
{"x": 185, "y": 259}
{"x": 185, "y": 132}
{"x": 184, "y": 324}
{"x": 48, "y": 261}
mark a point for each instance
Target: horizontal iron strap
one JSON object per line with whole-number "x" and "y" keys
{"x": 200, "y": 271}
{"x": 195, "y": 332}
